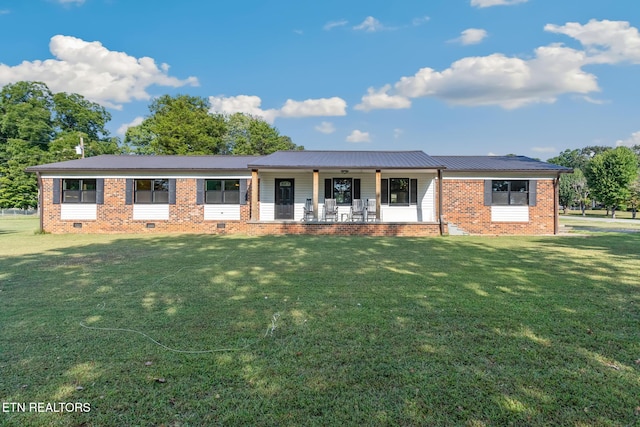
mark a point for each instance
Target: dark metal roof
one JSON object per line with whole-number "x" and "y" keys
{"x": 347, "y": 159}
{"x": 498, "y": 163}
{"x": 128, "y": 163}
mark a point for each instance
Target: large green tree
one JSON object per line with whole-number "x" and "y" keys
{"x": 578, "y": 158}
{"x": 184, "y": 125}
{"x": 574, "y": 190}
{"x": 37, "y": 126}
{"x": 251, "y": 135}
{"x": 180, "y": 125}
{"x": 610, "y": 175}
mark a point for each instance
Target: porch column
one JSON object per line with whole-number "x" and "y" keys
{"x": 378, "y": 194}
{"x": 556, "y": 202}
{"x": 316, "y": 181}
{"x": 255, "y": 215}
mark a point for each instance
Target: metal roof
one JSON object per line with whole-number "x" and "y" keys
{"x": 347, "y": 159}
{"x": 304, "y": 160}
{"x": 109, "y": 162}
{"x": 498, "y": 163}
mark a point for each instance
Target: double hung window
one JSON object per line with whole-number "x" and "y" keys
{"x": 514, "y": 192}
{"x": 151, "y": 191}
{"x": 79, "y": 190}
{"x": 399, "y": 191}
{"x": 222, "y": 191}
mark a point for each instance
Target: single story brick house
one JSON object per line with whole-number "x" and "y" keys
{"x": 379, "y": 193}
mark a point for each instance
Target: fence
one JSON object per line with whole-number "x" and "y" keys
{"x": 16, "y": 212}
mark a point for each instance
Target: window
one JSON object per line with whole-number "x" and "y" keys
{"x": 510, "y": 192}
{"x": 151, "y": 191}
{"x": 222, "y": 191}
{"x": 79, "y": 190}
{"x": 399, "y": 191}
{"x": 344, "y": 190}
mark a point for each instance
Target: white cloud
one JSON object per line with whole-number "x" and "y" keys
{"x": 397, "y": 133}
{"x": 489, "y": 3}
{"x": 606, "y": 42}
{"x": 4, "y": 11}
{"x": 380, "y": 99}
{"x": 333, "y": 24}
{"x": 77, "y": 2}
{"x": 634, "y": 139}
{"x": 135, "y": 122}
{"x": 298, "y": 32}
{"x": 419, "y": 21}
{"x": 326, "y": 127}
{"x": 370, "y": 25}
{"x": 100, "y": 75}
{"x": 248, "y": 104}
{"x": 513, "y": 82}
{"x": 321, "y": 107}
{"x": 314, "y": 107}
{"x": 472, "y": 36}
{"x": 359, "y": 136}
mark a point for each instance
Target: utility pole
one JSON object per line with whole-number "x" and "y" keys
{"x": 80, "y": 148}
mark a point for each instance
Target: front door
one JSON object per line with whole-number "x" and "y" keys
{"x": 284, "y": 198}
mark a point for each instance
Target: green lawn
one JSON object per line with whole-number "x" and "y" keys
{"x": 304, "y": 331}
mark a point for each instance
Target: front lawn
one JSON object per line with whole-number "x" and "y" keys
{"x": 303, "y": 331}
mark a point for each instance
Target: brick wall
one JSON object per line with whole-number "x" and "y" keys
{"x": 463, "y": 205}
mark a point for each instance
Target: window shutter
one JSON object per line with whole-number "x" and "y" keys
{"x": 356, "y": 188}
{"x": 128, "y": 198}
{"x": 413, "y": 188}
{"x": 487, "y": 192}
{"x": 243, "y": 191}
{"x": 56, "y": 191}
{"x": 327, "y": 188}
{"x": 384, "y": 191}
{"x": 533, "y": 192}
{"x": 199, "y": 191}
{"x": 100, "y": 191}
{"x": 172, "y": 191}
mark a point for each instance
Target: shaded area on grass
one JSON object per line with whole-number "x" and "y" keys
{"x": 324, "y": 330}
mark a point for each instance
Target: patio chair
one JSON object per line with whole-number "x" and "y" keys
{"x": 371, "y": 210}
{"x": 308, "y": 211}
{"x": 357, "y": 210}
{"x": 330, "y": 210}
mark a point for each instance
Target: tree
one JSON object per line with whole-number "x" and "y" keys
{"x": 183, "y": 125}
{"x": 250, "y": 135}
{"x": 26, "y": 112}
{"x": 610, "y": 175}
{"x": 578, "y": 158}
{"x": 37, "y": 126}
{"x": 72, "y": 112}
{"x": 573, "y": 190}
{"x": 19, "y": 189}
{"x": 180, "y": 125}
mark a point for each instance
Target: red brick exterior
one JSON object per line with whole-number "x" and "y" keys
{"x": 463, "y": 205}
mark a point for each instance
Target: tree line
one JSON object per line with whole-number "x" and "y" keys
{"x": 38, "y": 126}
{"x": 604, "y": 175}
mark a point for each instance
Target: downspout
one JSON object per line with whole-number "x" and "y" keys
{"x": 556, "y": 201}
{"x": 440, "y": 202}
{"x": 40, "y": 205}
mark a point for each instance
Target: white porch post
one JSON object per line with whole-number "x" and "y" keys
{"x": 316, "y": 180}
{"x": 378, "y": 194}
{"x": 254, "y": 195}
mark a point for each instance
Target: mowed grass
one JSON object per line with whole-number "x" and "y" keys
{"x": 304, "y": 331}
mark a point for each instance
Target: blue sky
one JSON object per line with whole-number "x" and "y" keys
{"x": 449, "y": 77}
